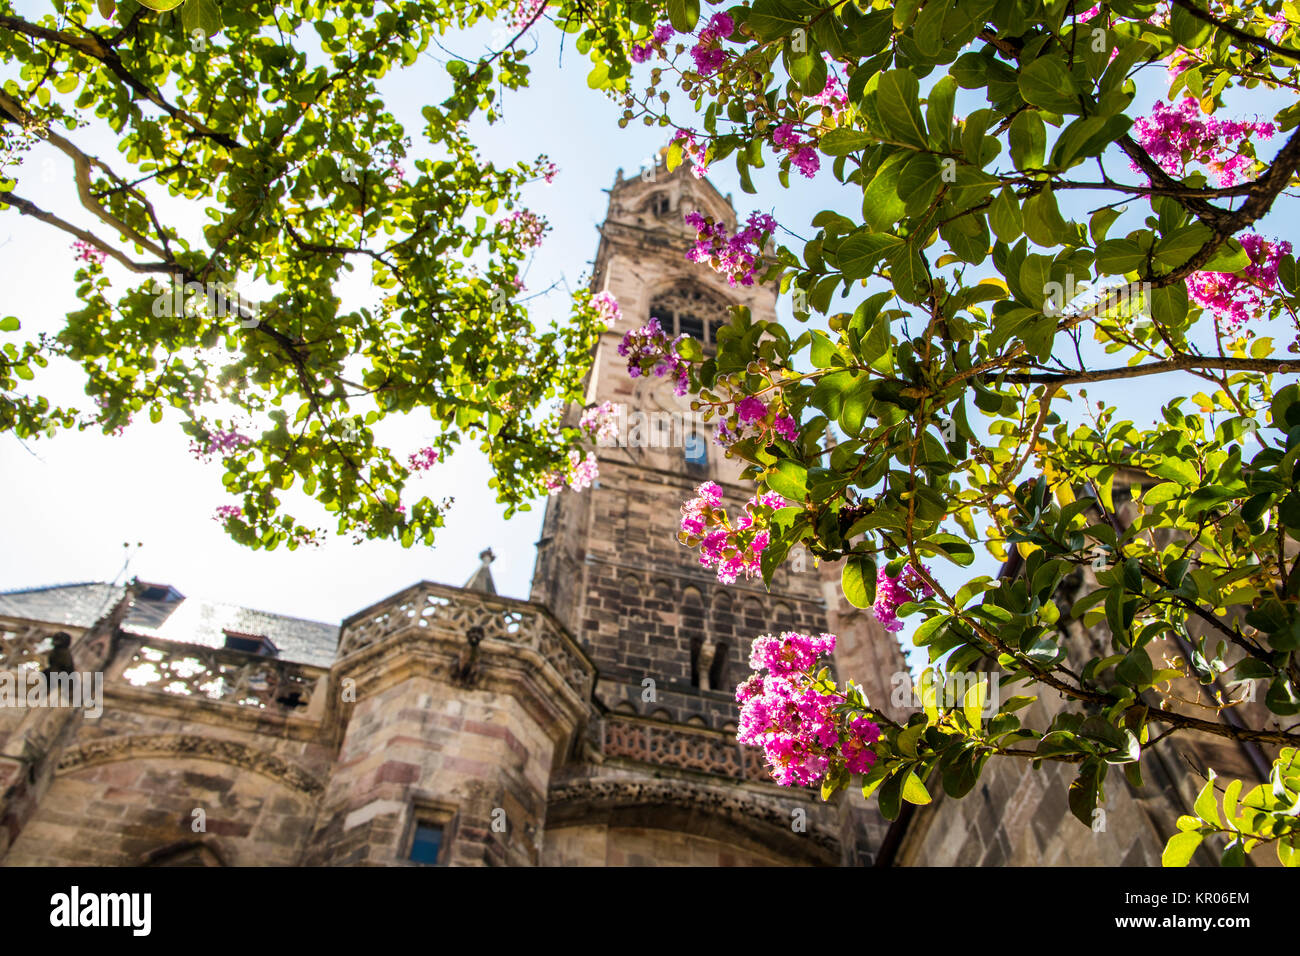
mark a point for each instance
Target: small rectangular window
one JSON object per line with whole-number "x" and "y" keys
{"x": 427, "y": 843}
{"x": 696, "y": 449}
{"x": 251, "y": 643}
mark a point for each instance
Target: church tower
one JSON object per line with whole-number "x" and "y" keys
{"x": 668, "y": 641}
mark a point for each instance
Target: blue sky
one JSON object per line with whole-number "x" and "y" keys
{"x": 70, "y": 503}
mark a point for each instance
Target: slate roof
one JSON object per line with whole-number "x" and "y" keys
{"x": 166, "y": 614}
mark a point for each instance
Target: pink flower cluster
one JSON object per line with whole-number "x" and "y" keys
{"x": 754, "y": 418}
{"x": 708, "y": 53}
{"x": 579, "y": 475}
{"x": 549, "y": 171}
{"x": 893, "y": 592}
{"x": 662, "y": 34}
{"x": 803, "y": 154}
{"x": 394, "y": 167}
{"x": 1177, "y": 135}
{"x": 694, "y": 151}
{"x": 524, "y": 12}
{"x": 422, "y": 460}
{"x": 88, "y": 253}
{"x": 527, "y": 227}
{"x": 1238, "y": 297}
{"x": 601, "y": 422}
{"x": 733, "y": 257}
{"x": 606, "y": 308}
{"x": 220, "y": 443}
{"x": 833, "y": 96}
{"x": 1279, "y": 26}
{"x": 795, "y": 724}
{"x": 648, "y": 349}
{"x": 733, "y": 550}
{"x": 225, "y": 512}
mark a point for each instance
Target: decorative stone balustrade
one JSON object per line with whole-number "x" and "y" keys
{"x": 681, "y": 747}
{"x": 25, "y": 646}
{"x": 191, "y": 670}
{"x": 460, "y": 615}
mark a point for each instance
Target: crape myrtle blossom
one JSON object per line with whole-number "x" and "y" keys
{"x": 833, "y": 95}
{"x": 579, "y": 475}
{"x": 88, "y": 253}
{"x": 219, "y": 442}
{"x": 803, "y": 154}
{"x": 753, "y": 418}
{"x": 1177, "y": 135}
{"x": 733, "y": 548}
{"x": 226, "y": 512}
{"x": 708, "y": 54}
{"x": 694, "y": 150}
{"x": 641, "y": 52}
{"x": 526, "y": 226}
{"x": 422, "y": 460}
{"x": 606, "y": 308}
{"x": 1237, "y": 297}
{"x": 648, "y": 349}
{"x": 891, "y": 592}
{"x": 601, "y": 422}
{"x": 791, "y": 715}
{"x": 1278, "y": 27}
{"x": 736, "y": 256}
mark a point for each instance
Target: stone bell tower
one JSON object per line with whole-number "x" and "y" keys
{"x": 669, "y": 642}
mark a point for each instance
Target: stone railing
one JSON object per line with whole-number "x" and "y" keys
{"x": 682, "y": 747}
{"x": 199, "y": 672}
{"x": 459, "y": 615}
{"x": 25, "y": 646}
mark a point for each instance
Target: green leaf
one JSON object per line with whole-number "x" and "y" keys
{"x": 842, "y": 141}
{"x": 202, "y": 15}
{"x": 789, "y": 479}
{"x": 683, "y": 14}
{"x": 1179, "y": 849}
{"x": 859, "y": 254}
{"x": 897, "y": 96}
{"x": 858, "y": 579}
{"x": 1047, "y": 84}
{"x": 914, "y": 790}
{"x": 1207, "y": 804}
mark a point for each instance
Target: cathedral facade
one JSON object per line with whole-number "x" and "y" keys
{"x": 593, "y": 724}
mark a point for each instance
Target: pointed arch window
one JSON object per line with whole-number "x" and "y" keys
{"x": 687, "y": 310}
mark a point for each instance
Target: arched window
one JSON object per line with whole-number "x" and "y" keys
{"x": 686, "y": 310}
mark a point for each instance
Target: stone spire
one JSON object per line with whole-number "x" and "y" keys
{"x": 481, "y": 579}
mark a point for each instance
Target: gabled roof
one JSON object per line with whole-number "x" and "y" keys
{"x": 171, "y": 616}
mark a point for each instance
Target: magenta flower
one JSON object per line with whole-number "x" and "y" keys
{"x": 225, "y": 512}
{"x": 526, "y": 227}
{"x": 88, "y": 253}
{"x": 601, "y": 422}
{"x": 1177, "y": 135}
{"x": 750, "y": 409}
{"x": 219, "y": 443}
{"x": 893, "y": 592}
{"x": 1237, "y": 298}
{"x": 606, "y": 308}
{"x": 794, "y": 723}
{"x": 734, "y": 257}
{"x": 422, "y": 460}
{"x": 734, "y": 550}
{"x": 649, "y": 349}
